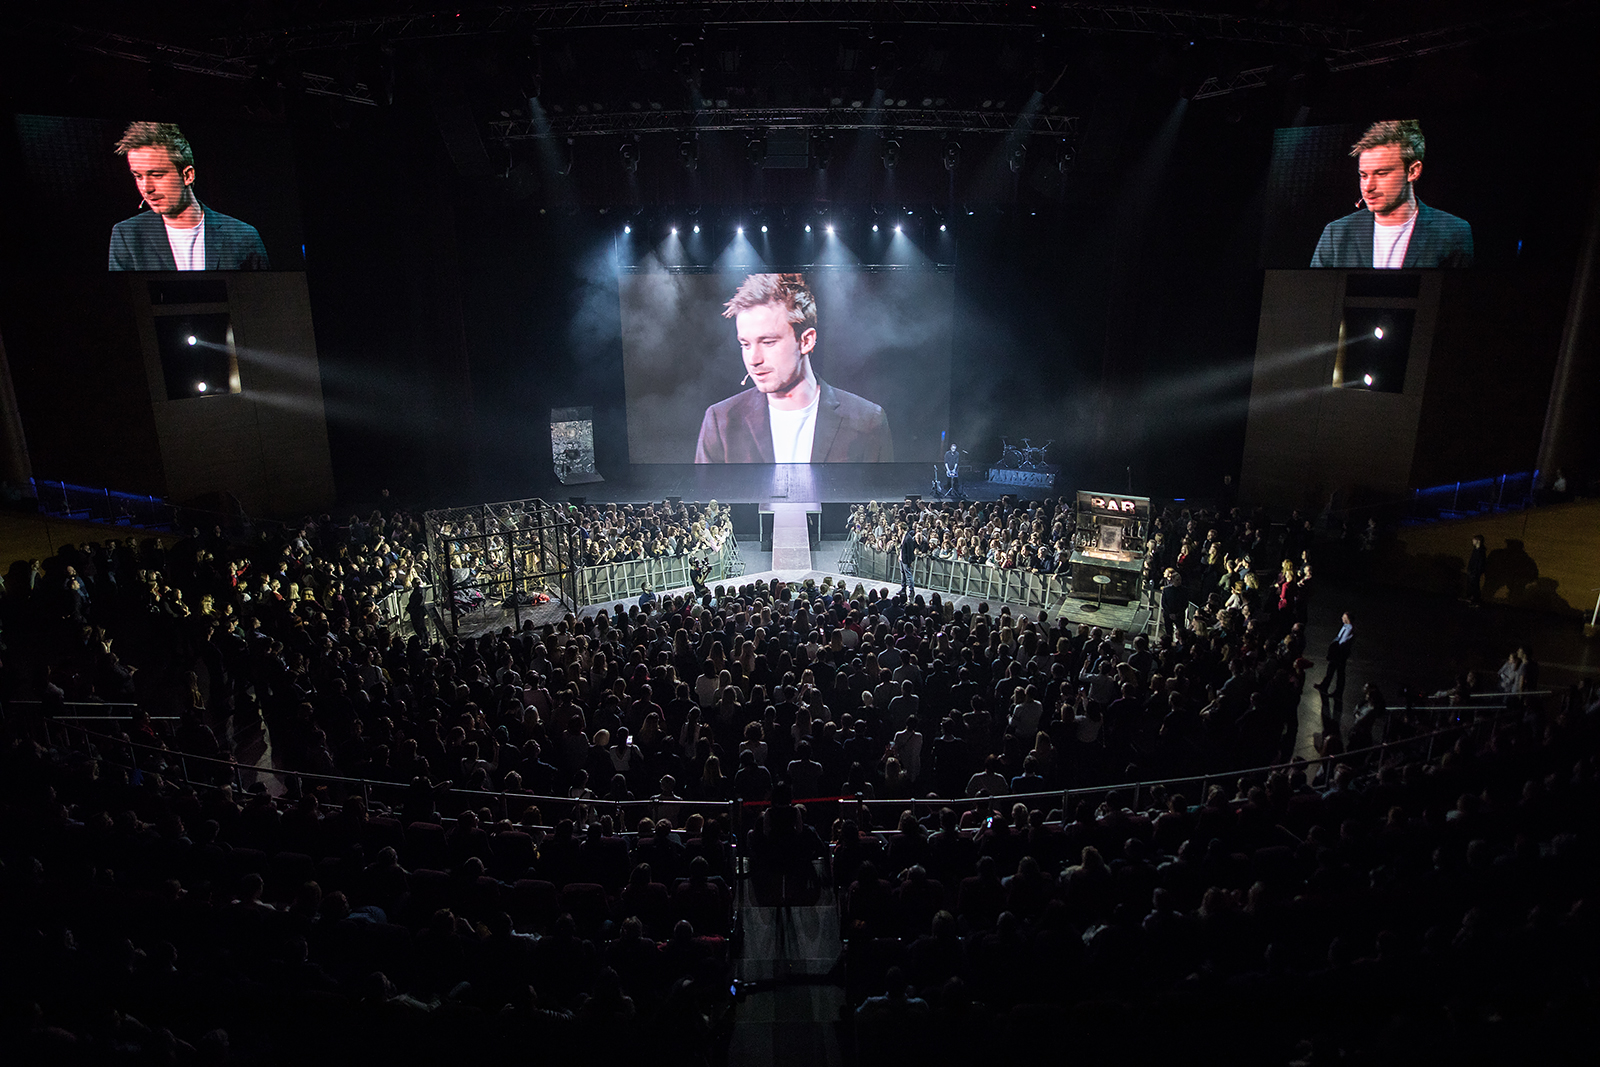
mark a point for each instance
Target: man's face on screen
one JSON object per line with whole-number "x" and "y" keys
{"x": 774, "y": 356}
{"x": 1386, "y": 180}
{"x": 164, "y": 186}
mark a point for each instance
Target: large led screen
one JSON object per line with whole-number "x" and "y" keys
{"x": 1363, "y": 197}
{"x": 141, "y": 193}
{"x": 821, "y": 365}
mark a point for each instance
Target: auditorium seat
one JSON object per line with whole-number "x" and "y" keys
{"x": 425, "y": 846}
{"x": 534, "y": 904}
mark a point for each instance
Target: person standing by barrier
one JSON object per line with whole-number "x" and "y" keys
{"x": 908, "y": 559}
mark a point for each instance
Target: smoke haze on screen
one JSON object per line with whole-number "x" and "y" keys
{"x": 883, "y": 335}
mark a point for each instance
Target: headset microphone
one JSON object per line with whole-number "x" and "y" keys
{"x": 746, "y": 378}
{"x": 1362, "y": 202}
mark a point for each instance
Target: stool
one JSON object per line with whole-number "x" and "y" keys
{"x": 1100, "y": 581}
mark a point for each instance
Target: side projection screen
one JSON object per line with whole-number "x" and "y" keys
{"x": 820, "y": 365}
{"x": 1362, "y": 197}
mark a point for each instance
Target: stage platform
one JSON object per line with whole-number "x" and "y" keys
{"x": 769, "y": 482}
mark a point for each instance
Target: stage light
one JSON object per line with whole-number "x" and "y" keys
{"x": 1366, "y": 379}
{"x": 626, "y": 228}
{"x": 897, "y": 227}
{"x": 763, "y": 228}
{"x": 697, "y": 227}
{"x": 941, "y": 227}
{"x": 808, "y": 227}
{"x": 738, "y": 229}
{"x": 874, "y": 227}
{"x": 830, "y": 229}
{"x": 674, "y": 231}
{"x": 191, "y": 339}
{"x": 199, "y": 387}
{"x": 1377, "y": 331}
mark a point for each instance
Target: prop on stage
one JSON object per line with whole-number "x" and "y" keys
{"x": 1025, "y": 465}
{"x": 1108, "y": 552}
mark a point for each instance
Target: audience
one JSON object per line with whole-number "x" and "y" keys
{"x": 527, "y": 832}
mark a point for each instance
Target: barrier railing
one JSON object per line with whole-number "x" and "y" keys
{"x": 959, "y": 578}
{"x": 621, "y": 581}
{"x": 84, "y": 503}
{"x": 141, "y": 758}
{"x": 924, "y": 805}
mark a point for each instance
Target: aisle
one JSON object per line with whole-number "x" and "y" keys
{"x": 790, "y": 1016}
{"x": 791, "y": 542}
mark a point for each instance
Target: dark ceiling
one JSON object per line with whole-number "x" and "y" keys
{"x": 1067, "y": 79}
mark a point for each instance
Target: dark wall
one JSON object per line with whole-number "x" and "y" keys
{"x": 1494, "y": 350}
{"x": 73, "y": 344}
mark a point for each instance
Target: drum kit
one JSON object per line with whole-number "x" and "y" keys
{"x": 1026, "y": 457}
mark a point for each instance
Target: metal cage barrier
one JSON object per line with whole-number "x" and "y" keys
{"x": 511, "y": 553}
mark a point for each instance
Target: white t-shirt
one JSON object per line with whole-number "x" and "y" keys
{"x": 792, "y": 432}
{"x": 1389, "y": 244}
{"x": 188, "y": 246}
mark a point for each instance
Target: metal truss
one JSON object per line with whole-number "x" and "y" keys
{"x": 749, "y": 120}
{"x": 1406, "y": 46}
{"x": 190, "y": 60}
{"x": 698, "y": 14}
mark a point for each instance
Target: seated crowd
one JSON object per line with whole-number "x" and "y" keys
{"x": 539, "y": 749}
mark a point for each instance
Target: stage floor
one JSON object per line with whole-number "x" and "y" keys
{"x": 767, "y": 482}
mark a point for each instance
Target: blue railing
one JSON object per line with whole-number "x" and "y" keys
{"x": 67, "y": 501}
{"x": 1459, "y": 500}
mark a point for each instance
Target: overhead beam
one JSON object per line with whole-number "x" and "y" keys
{"x": 699, "y": 14}
{"x": 1411, "y": 45}
{"x": 899, "y": 120}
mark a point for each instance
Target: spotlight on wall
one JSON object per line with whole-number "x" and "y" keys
{"x": 1366, "y": 379}
{"x": 1377, "y": 331}
{"x": 191, "y": 340}
{"x": 200, "y": 387}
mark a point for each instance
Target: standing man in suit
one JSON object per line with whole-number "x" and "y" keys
{"x": 908, "y": 558}
{"x": 1475, "y": 567}
{"x": 1338, "y": 657}
{"x": 177, "y": 232}
{"x": 788, "y": 415}
{"x": 1391, "y": 228}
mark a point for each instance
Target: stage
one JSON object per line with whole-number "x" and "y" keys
{"x": 831, "y": 483}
